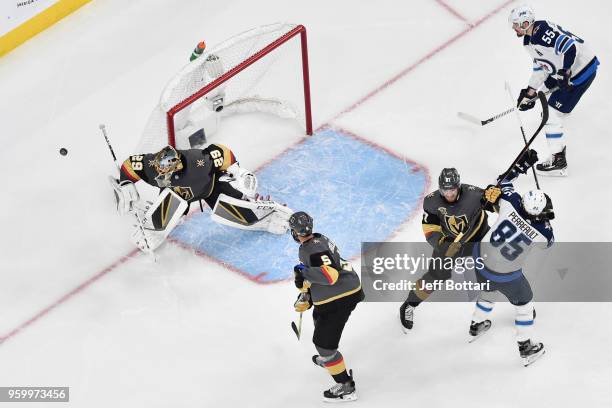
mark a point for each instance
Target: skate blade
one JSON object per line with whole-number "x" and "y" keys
{"x": 479, "y": 335}
{"x": 345, "y": 398}
{"x": 553, "y": 173}
{"x": 532, "y": 359}
{"x": 486, "y": 329}
{"x": 404, "y": 330}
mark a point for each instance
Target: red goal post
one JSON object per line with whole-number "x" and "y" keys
{"x": 248, "y": 57}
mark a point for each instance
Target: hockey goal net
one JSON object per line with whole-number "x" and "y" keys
{"x": 260, "y": 70}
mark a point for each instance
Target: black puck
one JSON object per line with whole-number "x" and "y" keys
{"x": 63, "y": 151}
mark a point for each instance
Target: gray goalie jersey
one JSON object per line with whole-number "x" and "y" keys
{"x": 195, "y": 181}
{"x": 331, "y": 277}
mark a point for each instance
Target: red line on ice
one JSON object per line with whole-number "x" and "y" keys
{"x": 68, "y": 295}
{"x": 134, "y": 252}
{"x": 423, "y": 59}
{"x": 453, "y": 12}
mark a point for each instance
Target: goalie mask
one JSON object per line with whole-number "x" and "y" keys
{"x": 167, "y": 161}
{"x": 300, "y": 224}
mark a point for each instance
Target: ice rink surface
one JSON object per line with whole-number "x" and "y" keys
{"x": 82, "y": 308}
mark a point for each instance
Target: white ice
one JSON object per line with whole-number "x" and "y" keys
{"x": 187, "y": 332}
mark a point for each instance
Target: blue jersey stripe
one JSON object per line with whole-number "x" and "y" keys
{"x": 558, "y": 43}
{"x": 562, "y": 44}
{"x": 567, "y": 46}
{"x": 554, "y": 135}
{"x": 523, "y": 323}
{"x": 586, "y": 73}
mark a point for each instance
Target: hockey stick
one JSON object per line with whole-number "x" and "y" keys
{"x": 297, "y": 329}
{"x": 544, "y": 102}
{"x": 460, "y": 237}
{"x": 110, "y": 147}
{"x": 520, "y": 122}
{"x": 476, "y": 121}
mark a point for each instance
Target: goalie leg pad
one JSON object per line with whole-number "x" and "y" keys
{"x": 267, "y": 216}
{"x": 162, "y": 216}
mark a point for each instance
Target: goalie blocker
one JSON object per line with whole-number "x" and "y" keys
{"x": 212, "y": 175}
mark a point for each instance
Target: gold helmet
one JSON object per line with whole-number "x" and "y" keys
{"x": 166, "y": 162}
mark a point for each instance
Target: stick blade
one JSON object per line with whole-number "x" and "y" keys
{"x": 470, "y": 118}
{"x": 295, "y": 329}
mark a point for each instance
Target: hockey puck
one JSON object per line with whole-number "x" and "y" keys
{"x": 63, "y": 151}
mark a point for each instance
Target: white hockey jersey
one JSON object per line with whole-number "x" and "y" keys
{"x": 505, "y": 247}
{"x": 552, "y": 48}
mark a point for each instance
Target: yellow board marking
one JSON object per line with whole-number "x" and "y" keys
{"x": 38, "y": 23}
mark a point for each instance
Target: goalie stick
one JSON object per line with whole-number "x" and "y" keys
{"x": 476, "y": 121}
{"x": 460, "y": 237}
{"x": 520, "y": 122}
{"x": 139, "y": 221}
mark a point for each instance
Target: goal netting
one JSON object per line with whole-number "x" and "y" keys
{"x": 264, "y": 69}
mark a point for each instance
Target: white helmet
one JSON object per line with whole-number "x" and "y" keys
{"x": 520, "y": 14}
{"x": 534, "y": 202}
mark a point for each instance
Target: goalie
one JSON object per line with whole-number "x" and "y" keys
{"x": 185, "y": 176}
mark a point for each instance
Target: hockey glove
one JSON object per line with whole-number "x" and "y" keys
{"x": 303, "y": 302}
{"x": 126, "y": 195}
{"x": 491, "y": 194}
{"x": 526, "y": 99}
{"x": 564, "y": 76}
{"x": 299, "y": 276}
{"x": 527, "y": 160}
{"x": 453, "y": 249}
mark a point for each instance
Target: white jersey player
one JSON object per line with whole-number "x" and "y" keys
{"x": 523, "y": 225}
{"x": 563, "y": 64}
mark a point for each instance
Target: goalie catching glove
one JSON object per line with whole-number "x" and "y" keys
{"x": 126, "y": 195}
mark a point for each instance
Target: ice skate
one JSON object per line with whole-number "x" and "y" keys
{"x": 406, "y": 316}
{"x": 342, "y": 392}
{"x": 530, "y": 352}
{"x": 478, "y": 329}
{"x": 556, "y": 165}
